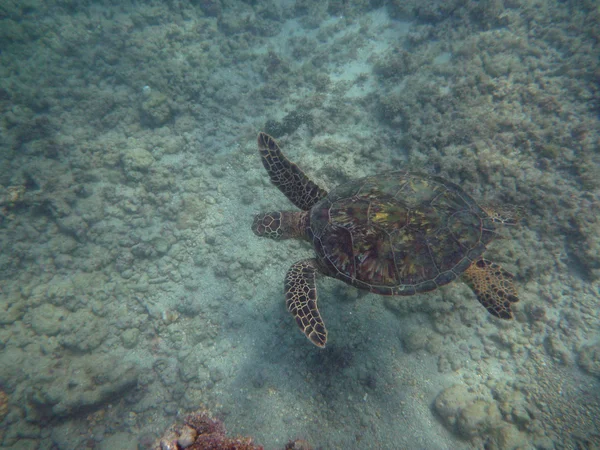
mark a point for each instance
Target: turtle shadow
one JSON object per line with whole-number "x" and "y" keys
{"x": 287, "y": 361}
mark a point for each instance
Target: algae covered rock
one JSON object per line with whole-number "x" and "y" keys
{"x": 155, "y": 110}
{"x": 422, "y": 339}
{"x": 451, "y": 402}
{"x": 46, "y": 319}
{"x": 121, "y": 440}
{"x": 589, "y": 359}
{"x": 11, "y": 312}
{"x": 137, "y": 159}
{"x": 478, "y": 418}
{"x": 82, "y": 331}
{"x": 88, "y": 382}
{"x": 472, "y": 417}
{"x": 129, "y": 337}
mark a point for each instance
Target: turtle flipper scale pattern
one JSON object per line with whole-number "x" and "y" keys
{"x": 493, "y": 286}
{"x": 301, "y": 300}
{"x": 287, "y": 176}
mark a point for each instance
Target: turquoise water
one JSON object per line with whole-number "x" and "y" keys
{"x": 133, "y": 291}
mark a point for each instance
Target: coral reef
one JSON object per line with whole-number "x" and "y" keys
{"x": 129, "y": 279}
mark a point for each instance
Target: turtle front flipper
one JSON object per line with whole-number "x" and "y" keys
{"x": 301, "y": 300}
{"x": 493, "y": 287}
{"x": 287, "y": 176}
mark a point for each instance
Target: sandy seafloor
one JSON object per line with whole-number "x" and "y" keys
{"x": 133, "y": 290}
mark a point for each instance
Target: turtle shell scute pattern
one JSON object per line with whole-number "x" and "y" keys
{"x": 399, "y": 233}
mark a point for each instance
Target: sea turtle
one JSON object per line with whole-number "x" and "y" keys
{"x": 396, "y": 233}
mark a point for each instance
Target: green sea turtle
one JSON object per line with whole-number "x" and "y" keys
{"x": 396, "y": 233}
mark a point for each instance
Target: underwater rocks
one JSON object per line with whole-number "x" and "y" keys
{"x": 129, "y": 337}
{"x": 80, "y": 334}
{"x": 46, "y": 319}
{"x": 80, "y": 331}
{"x": 137, "y": 159}
{"x": 451, "y": 402}
{"x": 476, "y": 417}
{"x": 290, "y": 123}
{"x": 11, "y": 312}
{"x": 589, "y": 359}
{"x": 155, "y": 110}
{"x": 136, "y": 164}
{"x": 87, "y": 383}
{"x": 212, "y": 8}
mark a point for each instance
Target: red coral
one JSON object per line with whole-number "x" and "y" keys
{"x": 208, "y": 433}
{"x": 211, "y": 435}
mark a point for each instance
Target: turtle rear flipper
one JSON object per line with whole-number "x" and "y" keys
{"x": 505, "y": 214}
{"x": 301, "y": 300}
{"x": 287, "y": 176}
{"x": 493, "y": 287}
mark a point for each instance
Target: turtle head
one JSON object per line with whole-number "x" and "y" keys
{"x": 281, "y": 224}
